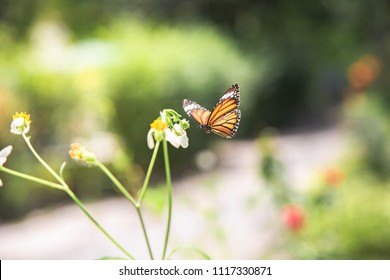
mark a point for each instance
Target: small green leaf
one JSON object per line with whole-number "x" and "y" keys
{"x": 62, "y": 169}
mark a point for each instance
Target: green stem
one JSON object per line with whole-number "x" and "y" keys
{"x": 123, "y": 190}
{"x": 117, "y": 184}
{"x": 86, "y": 212}
{"x": 59, "y": 179}
{"x": 169, "y": 193}
{"x": 193, "y": 248}
{"x": 145, "y": 232}
{"x": 32, "y": 178}
{"x": 71, "y": 194}
{"x": 66, "y": 188}
{"x": 149, "y": 172}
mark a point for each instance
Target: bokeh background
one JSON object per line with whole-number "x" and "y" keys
{"x": 306, "y": 177}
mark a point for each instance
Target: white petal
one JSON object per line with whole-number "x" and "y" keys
{"x": 162, "y": 114}
{"x": 172, "y": 138}
{"x": 18, "y": 121}
{"x": 183, "y": 137}
{"x": 150, "y": 139}
{"x": 178, "y": 128}
{"x": 6, "y": 151}
{"x": 1, "y": 183}
{"x": 184, "y": 141}
{"x": 27, "y": 129}
{"x": 17, "y": 126}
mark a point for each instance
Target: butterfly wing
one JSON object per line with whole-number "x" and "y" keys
{"x": 226, "y": 126}
{"x": 197, "y": 112}
{"x": 225, "y": 116}
{"x": 229, "y": 101}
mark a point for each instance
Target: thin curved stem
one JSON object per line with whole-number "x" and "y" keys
{"x": 117, "y": 184}
{"x": 59, "y": 179}
{"x": 169, "y": 195}
{"x": 189, "y": 247}
{"x": 144, "y": 232}
{"x": 66, "y": 188}
{"x": 86, "y": 212}
{"x": 149, "y": 172}
{"x": 137, "y": 206}
{"x": 32, "y": 178}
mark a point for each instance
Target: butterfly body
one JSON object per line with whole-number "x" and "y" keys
{"x": 206, "y": 128}
{"x": 225, "y": 117}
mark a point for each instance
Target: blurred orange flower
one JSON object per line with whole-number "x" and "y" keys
{"x": 333, "y": 177}
{"x": 293, "y": 217}
{"x": 363, "y": 72}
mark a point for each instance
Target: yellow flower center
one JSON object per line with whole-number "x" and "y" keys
{"x": 23, "y": 115}
{"x": 159, "y": 125}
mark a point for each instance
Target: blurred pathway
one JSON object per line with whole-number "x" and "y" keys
{"x": 227, "y": 212}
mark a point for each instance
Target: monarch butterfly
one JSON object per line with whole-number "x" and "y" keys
{"x": 225, "y": 117}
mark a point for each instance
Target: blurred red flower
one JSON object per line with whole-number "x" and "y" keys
{"x": 293, "y": 217}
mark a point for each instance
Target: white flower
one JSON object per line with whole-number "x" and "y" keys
{"x": 170, "y": 127}
{"x": 20, "y": 123}
{"x": 177, "y": 137}
{"x": 4, "y": 153}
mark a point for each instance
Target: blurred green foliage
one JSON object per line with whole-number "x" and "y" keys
{"x": 307, "y": 44}
{"x": 272, "y": 169}
{"x": 160, "y": 67}
{"x": 346, "y": 211}
{"x": 115, "y": 83}
{"x": 367, "y": 118}
{"x": 352, "y": 223}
